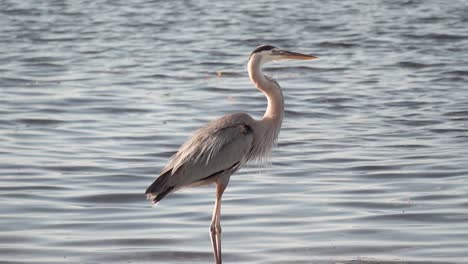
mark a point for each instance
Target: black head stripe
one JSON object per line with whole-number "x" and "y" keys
{"x": 262, "y": 48}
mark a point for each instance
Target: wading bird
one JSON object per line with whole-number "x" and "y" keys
{"x": 219, "y": 149}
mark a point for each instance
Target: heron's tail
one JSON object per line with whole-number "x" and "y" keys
{"x": 159, "y": 188}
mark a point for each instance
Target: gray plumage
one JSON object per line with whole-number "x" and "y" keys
{"x": 214, "y": 152}
{"x": 225, "y": 143}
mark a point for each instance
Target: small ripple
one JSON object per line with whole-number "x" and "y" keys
{"x": 372, "y": 205}
{"x": 368, "y": 168}
{"x": 120, "y": 242}
{"x": 217, "y": 64}
{"x": 417, "y": 123}
{"x": 158, "y": 76}
{"x": 10, "y": 81}
{"x": 449, "y": 130}
{"x": 85, "y": 100}
{"x": 408, "y": 146}
{"x": 437, "y": 36}
{"x": 416, "y": 175}
{"x": 29, "y": 188}
{"x": 73, "y": 168}
{"x": 117, "y": 110}
{"x": 419, "y": 217}
{"x": 41, "y": 59}
{"x": 110, "y": 198}
{"x": 329, "y": 44}
{"x": 361, "y": 191}
{"x": 414, "y": 65}
{"x": 463, "y": 113}
{"x": 39, "y": 121}
{"x": 406, "y": 103}
{"x": 457, "y": 73}
{"x": 435, "y": 197}
{"x": 345, "y": 249}
{"x": 226, "y": 74}
{"x": 167, "y": 256}
{"x": 14, "y": 239}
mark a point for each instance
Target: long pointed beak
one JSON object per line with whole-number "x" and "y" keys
{"x": 285, "y": 54}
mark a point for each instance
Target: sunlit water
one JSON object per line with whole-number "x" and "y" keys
{"x": 372, "y": 161}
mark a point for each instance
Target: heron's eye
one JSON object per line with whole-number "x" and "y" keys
{"x": 275, "y": 52}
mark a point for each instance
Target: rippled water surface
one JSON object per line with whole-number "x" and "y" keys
{"x": 371, "y": 165}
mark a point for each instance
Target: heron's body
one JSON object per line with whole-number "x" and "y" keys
{"x": 219, "y": 149}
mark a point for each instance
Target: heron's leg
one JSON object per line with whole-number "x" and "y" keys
{"x": 215, "y": 227}
{"x": 213, "y": 233}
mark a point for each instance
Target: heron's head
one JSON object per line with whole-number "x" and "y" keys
{"x": 266, "y": 53}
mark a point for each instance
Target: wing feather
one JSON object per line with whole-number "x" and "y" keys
{"x": 214, "y": 147}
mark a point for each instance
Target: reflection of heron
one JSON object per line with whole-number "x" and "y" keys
{"x": 216, "y": 151}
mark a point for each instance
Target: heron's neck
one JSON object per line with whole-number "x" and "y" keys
{"x": 270, "y": 88}
{"x": 270, "y": 125}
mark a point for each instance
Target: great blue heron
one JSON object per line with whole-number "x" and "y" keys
{"x": 219, "y": 149}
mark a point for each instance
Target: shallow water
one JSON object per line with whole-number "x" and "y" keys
{"x": 371, "y": 165}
